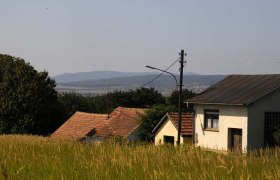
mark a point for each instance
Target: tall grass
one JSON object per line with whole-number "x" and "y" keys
{"x": 29, "y": 157}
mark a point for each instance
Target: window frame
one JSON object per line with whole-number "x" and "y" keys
{"x": 211, "y": 113}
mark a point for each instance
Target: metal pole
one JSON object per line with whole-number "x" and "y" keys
{"x": 180, "y": 96}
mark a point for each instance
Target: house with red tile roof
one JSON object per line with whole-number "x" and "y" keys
{"x": 166, "y": 131}
{"x": 122, "y": 122}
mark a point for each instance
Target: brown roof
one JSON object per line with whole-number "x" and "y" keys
{"x": 186, "y": 122}
{"x": 122, "y": 122}
{"x": 238, "y": 90}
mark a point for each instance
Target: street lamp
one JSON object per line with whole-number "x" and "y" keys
{"x": 180, "y": 94}
{"x": 151, "y": 67}
{"x": 182, "y": 61}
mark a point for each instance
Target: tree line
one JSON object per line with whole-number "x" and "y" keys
{"x": 29, "y": 103}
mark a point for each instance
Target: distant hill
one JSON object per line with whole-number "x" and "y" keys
{"x": 95, "y": 75}
{"x": 165, "y": 84}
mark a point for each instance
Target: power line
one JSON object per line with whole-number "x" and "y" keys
{"x": 160, "y": 73}
{"x": 277, "y": 61}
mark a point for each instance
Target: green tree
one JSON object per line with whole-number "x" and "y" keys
{"x": 73, "y": 102}
{"x": 139, "y": 98}
{"x": 151, "y": 119}
{"x": 147, "y": 97}
{"x": 174, "y": 98}
{"x": 27, "y": 98}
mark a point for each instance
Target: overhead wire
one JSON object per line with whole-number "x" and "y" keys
{"x": 160, "y": 73}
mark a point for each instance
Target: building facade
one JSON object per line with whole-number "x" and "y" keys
{"x": 239, "y": 113}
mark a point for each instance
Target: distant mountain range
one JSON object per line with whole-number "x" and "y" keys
{"x": 105, "y": 81}
{"x": 95, "y": 75}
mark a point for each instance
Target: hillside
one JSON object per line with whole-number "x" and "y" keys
{"x": 31, "y": 157}
{"x": 95, "y": 75}
{"x": 164, "y": 84}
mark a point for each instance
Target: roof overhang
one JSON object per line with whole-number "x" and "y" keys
{"x": 160, "y": 122}
{"x": 210, "y": 103}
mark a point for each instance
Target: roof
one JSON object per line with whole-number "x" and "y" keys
{"x": 238, "y": 90}
{"x": 186, "y": 122}
{"x": 121, "y": 122}
{"x": 79, "y": 125}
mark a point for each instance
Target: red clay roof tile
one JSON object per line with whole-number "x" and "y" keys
{"x": 122, "y": 122}
{"x": 186, "y": 122}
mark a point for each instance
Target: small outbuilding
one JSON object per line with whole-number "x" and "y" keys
{"x": 238, "y": 113}
{"x": 166, "y": 131}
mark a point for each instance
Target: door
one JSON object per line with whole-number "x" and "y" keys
{"x": 236, "y": 140}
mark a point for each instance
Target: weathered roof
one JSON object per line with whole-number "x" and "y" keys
{"x": 79, "y": 125}
{"x": 121, "y": 122}
{"x": 238, "y": 90}
{"x": 186, "y": 122}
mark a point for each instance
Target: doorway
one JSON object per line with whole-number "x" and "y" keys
{"x": 168, "y": 140}
{"x": 235, "y": 139}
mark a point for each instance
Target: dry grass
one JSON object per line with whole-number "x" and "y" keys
{"x": 30, "y": 157}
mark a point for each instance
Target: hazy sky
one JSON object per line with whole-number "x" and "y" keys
{"x": 220, "y": 36}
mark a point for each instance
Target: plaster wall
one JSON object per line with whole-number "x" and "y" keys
{"x": 229, "y": 117}
{"x": 167, "y": 129}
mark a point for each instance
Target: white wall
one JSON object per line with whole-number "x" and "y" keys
{"x": 269, "y": 103}
{"x": 229, "y": 117}
{"x": 167, "y": 129}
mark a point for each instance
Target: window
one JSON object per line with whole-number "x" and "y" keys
{"x": 211, "y": 119}
{"x": 168, "y": 139}
{"x": 272, "y": 120}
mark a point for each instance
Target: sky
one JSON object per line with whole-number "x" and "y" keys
{"x": 219, "y": 36}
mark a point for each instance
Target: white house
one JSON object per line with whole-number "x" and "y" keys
{"x": 166, "y": 131}
{"x": 238, "y": 113}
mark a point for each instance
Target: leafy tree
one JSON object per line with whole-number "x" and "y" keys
{"x": 27, "y": 98}
{"x": 174, "y": 98}
{"x": 145, "y": 97}
{"x": 151, "y": 119}
{"x": 73, "y": 102}
{"x": 139, "y": 98}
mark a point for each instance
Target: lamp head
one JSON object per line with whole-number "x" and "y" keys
{"x": 147, "y": 66}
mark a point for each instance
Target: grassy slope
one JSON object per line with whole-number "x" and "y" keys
{"x": 29, "y": 157}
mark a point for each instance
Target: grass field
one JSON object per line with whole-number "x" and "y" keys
{"x": 30, "y": 157}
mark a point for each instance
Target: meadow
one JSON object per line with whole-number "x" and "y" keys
{"x": 32, "y": 157}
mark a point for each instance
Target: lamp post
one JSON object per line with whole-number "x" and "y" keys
{"x": 180, "y": 94}
{"x": 151, "y": 67}
{"x": 182, "y": 61}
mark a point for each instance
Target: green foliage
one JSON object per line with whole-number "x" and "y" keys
{"x": 151, "y": 119}
{"x": 73, "y": 102}
{"x": 174, "y": 98}
{"x": 139, "y": 98}
{"x": 28, "y": 157}
{"x": 27, "y": 98}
